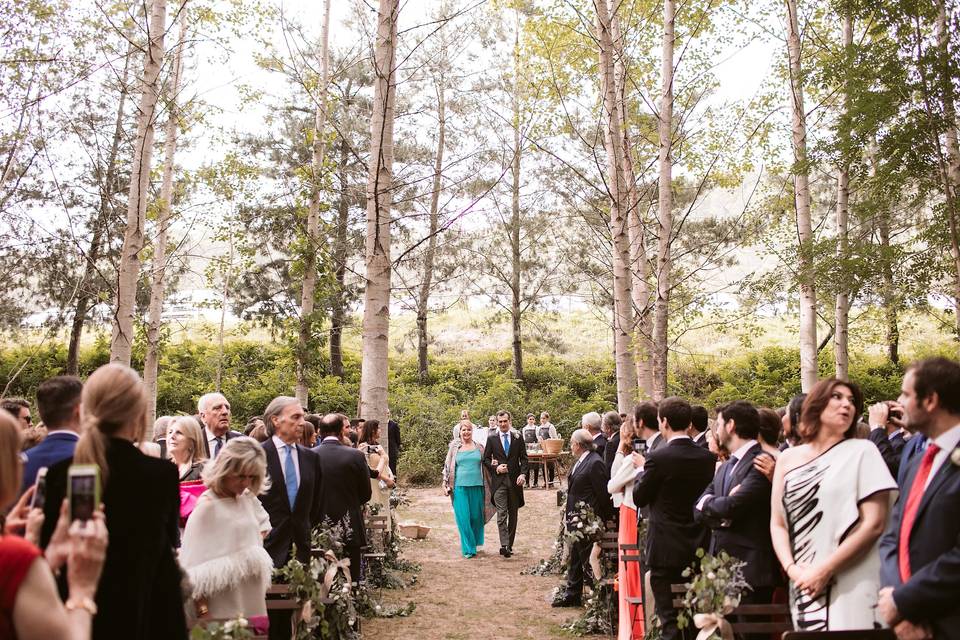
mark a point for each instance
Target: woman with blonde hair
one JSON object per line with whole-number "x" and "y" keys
{"x": 139, "y": 596}
{"x": 185, "y": 447}
{"x": 230, "y": 574}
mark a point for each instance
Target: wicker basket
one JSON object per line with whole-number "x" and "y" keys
{"x": 409, "y": 530}
{"x": 552, "y": 446}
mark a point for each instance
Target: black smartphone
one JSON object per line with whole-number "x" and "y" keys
{"x": 40, "y": 493}
{"x": 640, "y": 446}
{"x": 83, "y": 490}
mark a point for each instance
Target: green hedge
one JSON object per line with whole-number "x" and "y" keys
{"x": 255, "y": 372}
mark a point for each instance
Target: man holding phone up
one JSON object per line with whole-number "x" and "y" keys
{"x": 888, "y": 432}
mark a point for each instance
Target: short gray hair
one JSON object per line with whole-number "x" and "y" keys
{"x": 591, "y": 420}
{"x": 276, "y": 406}
{"x": 583, "y": 437}
{"x": 242, "y": 455}
{"x": 206, "y": 398}
{"x": 611, "y": 420}
{"x": 160, "y": 427}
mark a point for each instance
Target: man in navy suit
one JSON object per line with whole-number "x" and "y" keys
{"x": 505, "y": 457}
{"x": 736, "y": 505}
{"x": 887, "y": 432}
{"x": 214, "y": 415}
{"x": 920, "y": 550}
{"x": 58, "y": 401}
{"x": 586, "y": 483}
{"x": 673, "y": 478}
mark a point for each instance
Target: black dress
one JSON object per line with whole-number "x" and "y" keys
{"x": 139, "y": 596}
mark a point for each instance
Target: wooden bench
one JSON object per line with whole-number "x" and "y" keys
{"x": 749, "y": 618}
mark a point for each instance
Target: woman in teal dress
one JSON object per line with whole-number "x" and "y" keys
{"x": 464, "y": 482}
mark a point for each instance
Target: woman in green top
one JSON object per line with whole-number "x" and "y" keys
{"x": 463, "y": 480}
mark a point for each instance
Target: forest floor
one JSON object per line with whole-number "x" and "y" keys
{"x": 483, "y": 597}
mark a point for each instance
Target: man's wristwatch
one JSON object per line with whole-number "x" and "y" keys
{"x": 85, "y": 603}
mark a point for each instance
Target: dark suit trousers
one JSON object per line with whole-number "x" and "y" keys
{"x": 506, "y": 515}
{"x": 577, "y": 568}
{"x": 660, "y": 580}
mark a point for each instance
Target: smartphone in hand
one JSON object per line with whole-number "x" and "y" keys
{"x": 40, "y": 493}
{"x": 83, "y": 490}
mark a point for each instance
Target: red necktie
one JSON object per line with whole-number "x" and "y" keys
{"x": 911, "y": 507}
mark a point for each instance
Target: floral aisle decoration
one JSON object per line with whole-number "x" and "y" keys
{"x": 598, "y": 615}
{"x": 712, "y": 594}
{"x": 601, "y": 605}
{"x": 238, "y": 629}
{"x": 585, "y": 525}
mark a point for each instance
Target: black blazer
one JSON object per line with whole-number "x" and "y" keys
{"x": 891, "y": 449}
{"x": 139, "y": 593}
{"x": 348, "y": 490}
{"x": 600, "y": 444}
{"x": 610, "y": 452}
{"x": 930, "y": 595}
{"x": 288, "y": 526}
{"x": 741, "y": 522}
{"x": 516, "y": 461}
{"x": 589, "y": 485}
{"x": 393, "y": 444}
{"x": 673, "y": 478}
{"x": 701, "y": 440}
{"x": 227, "y": 437}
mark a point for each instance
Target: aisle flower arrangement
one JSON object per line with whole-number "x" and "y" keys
{"x": 714, "y": 591}
{"x": 238, "y": 629}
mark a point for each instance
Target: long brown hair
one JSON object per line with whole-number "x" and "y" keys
{"x": 818, "y": 399}
{"x": 10, "y": 467}
{"x": 113, "y": 398}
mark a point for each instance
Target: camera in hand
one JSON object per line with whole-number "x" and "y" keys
{"x": 83, "y": 490}
{"x": 640, "y": 446}
{"x": 40, "y": 493}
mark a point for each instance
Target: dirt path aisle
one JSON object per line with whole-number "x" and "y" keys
{"x": 484, "y": 597}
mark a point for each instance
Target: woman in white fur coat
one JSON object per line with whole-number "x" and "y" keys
{"x": 222, "y": 549}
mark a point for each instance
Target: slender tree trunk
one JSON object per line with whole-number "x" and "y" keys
{"x": 157, "y": 291}
{"x": 108, "y": 188}
{"x": 841, "y": 354}
{"x": 890, "y": 310}
{"x": 808, "y": 296}
{"x": 516, "y": 264}
{"x": 665, "y": 206}
{"x": 224, "y": 300}
{"x": 376, "y": 308}
{"x": 952, "y": 173}
{"x": 623, "y": 324}
{"x": 308, "y": 298}
{"x": 337, "y": 311}
{"x": 121, "y": 343}
{"x": 428, "y": 259}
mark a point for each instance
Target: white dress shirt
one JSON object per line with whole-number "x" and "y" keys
{"x": 947, "y": 441}
{"x": 577, "y": 463}
{"x": 282, "y": 453}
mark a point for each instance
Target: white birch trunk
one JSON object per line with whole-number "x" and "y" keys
{"x": 623, "y": 324}
{"x": 808, "y": 296}
{"x": 308, "y": 295}
{"x": 665, "y": 206}
{"x": 841, "y": 355}
{"x": 376, "y": 298}
{"x": 121, "y": 343}
{"x": 157, "y": 291}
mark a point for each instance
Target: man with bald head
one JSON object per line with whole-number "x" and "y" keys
{"x": 586, "y": 483}
{"x": 214, "y": 412}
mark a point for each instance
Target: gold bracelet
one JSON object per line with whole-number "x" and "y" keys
{"x": 86, "y": 603}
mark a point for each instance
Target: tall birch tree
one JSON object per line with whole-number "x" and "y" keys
{"x": 376, "y": 298}
{"x": 308, "y": 297}
{"x": 121, "y": 342}
{"x": 841, "y": 336}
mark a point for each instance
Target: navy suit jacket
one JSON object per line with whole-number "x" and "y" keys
{"x": 933, "y": 590}
{"x": 57, "y": 446}
{"x": 891, "y": 448}
{"x": 291, "y": 526}
{"x": 914, "y": 446}
{"x": 346, "y": 492}
{"x": 741, "y": 522}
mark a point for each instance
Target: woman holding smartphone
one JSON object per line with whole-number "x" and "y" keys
{"x": 30, "y": 607}
{"x": 139, "y": 596}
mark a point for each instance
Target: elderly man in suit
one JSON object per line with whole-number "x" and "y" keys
{"x": 348, "y": 488}
{"x": 505, "y": 457}
{"x": 671, "y": 481}
{"x": 214, "y": 412}
{"x": 292, "y": 502}
{"x": 736, "y": 505}
{"x": 586, "y": 483}
{"x": 58, "y": 402}
{"x": 611, "y": 430}
{"x": 920, "y": 550}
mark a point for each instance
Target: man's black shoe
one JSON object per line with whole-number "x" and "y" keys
{"x": 504, "y": 552}
{"x": 567, "y": 602}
